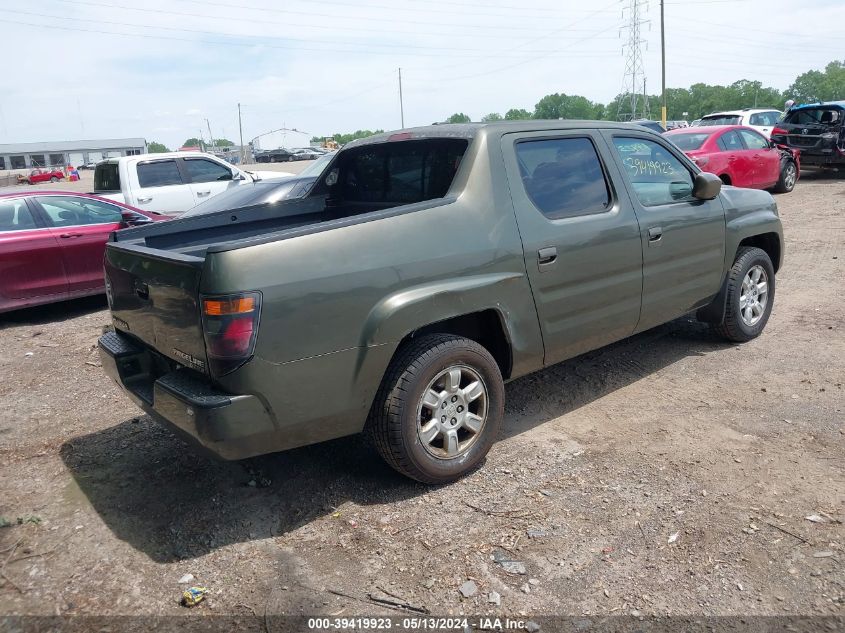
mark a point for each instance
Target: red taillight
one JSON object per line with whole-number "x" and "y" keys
{"x": 779, "y": 131}
{"x": 700, "y": 160}
{"x": 230, "y": 327}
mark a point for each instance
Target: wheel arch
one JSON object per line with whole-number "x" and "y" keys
{"x": 475, "y": 307}
{"x": 768, "y": 242}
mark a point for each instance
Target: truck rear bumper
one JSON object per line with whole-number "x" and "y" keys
{"x": 228, "y": 426}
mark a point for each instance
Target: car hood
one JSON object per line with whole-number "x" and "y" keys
{"x": 270, "y": 175}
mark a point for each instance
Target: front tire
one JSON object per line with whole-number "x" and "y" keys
{"x": 788, "y": 177}
{"x": 54, "y": 179}
{"x": 750, "y": 295}
{"x": 439, "y": 408}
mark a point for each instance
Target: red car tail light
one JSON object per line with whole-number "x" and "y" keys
{"x": 701, "y": 161}
{"x": 230, "y": 328}
{"x": 779, "y": 131}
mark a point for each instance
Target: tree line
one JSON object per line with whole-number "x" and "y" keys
{"x": 682, "y": 103}
{"x": 685, "y": 103}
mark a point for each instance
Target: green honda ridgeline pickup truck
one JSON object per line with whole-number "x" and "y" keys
{"x": 424, "y": 269}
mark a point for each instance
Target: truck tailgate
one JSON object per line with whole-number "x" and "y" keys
{"x": 154, "y": 297}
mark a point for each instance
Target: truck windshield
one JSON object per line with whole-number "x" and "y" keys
{"x": 106, "y": 177}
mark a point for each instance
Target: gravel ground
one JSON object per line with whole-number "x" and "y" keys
{"x": 670, "y": 473}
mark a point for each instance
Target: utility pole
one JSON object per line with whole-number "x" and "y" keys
{"x": 241, "y": 130}
{"x": 209, "y": 134}
{"x": 663, "y": 64}
{"x": 401, "y": 104}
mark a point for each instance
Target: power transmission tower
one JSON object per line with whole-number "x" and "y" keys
{"x": 631, "y": 106}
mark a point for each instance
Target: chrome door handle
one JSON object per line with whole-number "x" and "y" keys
{"x": 655, "y": 234}
{"x": 203, "y": 193}
{"x": 143, "y": 200}
{"x": 546, "y": 257}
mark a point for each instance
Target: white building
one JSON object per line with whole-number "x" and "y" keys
{"x": 62, "y": 153}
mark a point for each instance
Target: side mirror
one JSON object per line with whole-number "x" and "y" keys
{"x": 130, "y": 218}
{"x": 706, "y": 186}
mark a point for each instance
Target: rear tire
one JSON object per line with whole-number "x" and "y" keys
{"x": 788, "y": 177}
{"x": 439, "y": 408}
{"x": 53, "y": 179}
{"x": 750, "y": 296}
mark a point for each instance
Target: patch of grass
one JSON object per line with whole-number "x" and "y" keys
{"x": 4, "y": 522}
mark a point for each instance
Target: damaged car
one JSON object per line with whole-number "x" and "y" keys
{"x": 816, "y": 130}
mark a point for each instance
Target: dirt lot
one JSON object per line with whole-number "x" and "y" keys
{"x": 667, "y": 474}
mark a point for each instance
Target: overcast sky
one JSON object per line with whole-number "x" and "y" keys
{"x": 157, "y": 69}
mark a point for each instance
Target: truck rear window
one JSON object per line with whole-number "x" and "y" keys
{"x": 106, "y": 177}
{"x": 401, "y": 172}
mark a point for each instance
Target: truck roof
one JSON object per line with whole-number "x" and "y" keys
{"x": 471, "y": 130}
{"x": 190, "y": 154}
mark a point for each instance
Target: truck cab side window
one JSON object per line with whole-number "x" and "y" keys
{"x": 657, "y": 176}
{"x": 203, "y": 170}
{"x": 159, "y": 173}
{"x": 563, "y": 177}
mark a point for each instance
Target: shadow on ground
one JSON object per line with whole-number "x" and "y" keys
{"x": 156, "y": 494}
{"x": 53, "y": 312}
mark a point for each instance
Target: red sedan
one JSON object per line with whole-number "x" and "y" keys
{"x": 52, "y": 244}
{"x": 740, "y": 156}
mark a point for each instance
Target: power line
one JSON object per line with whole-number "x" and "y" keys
{"x": 391, "y": 53}
{"x": 391, "y": 45}
{"x": 392, "y": 7}
{"x": 391, "y": 21}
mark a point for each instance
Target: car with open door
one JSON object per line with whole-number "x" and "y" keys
{"x": 52, "y": 244}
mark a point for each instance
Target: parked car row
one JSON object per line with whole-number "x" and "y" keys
{"x": 282, "y": 155}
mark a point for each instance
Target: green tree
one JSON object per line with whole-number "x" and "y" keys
{"x": 819, "y": 86}
{"x": 493, "y": 116}
{"x": 343, "y": 139}
{"x": 223, "y": 142}
{"x": 458, "y": 117}
{"x": 517, "y": 114}
{"x": 156, "y": 148}
{"x": 193, "y": 142}
{"x": 563, "y": 106}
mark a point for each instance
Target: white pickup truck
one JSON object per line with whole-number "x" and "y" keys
{"x": 171, "y": 182}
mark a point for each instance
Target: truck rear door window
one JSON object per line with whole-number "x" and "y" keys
{"x": 159, "y": 173}
{"x": 563, "y": 177}
{"x": 402, "y": 172}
